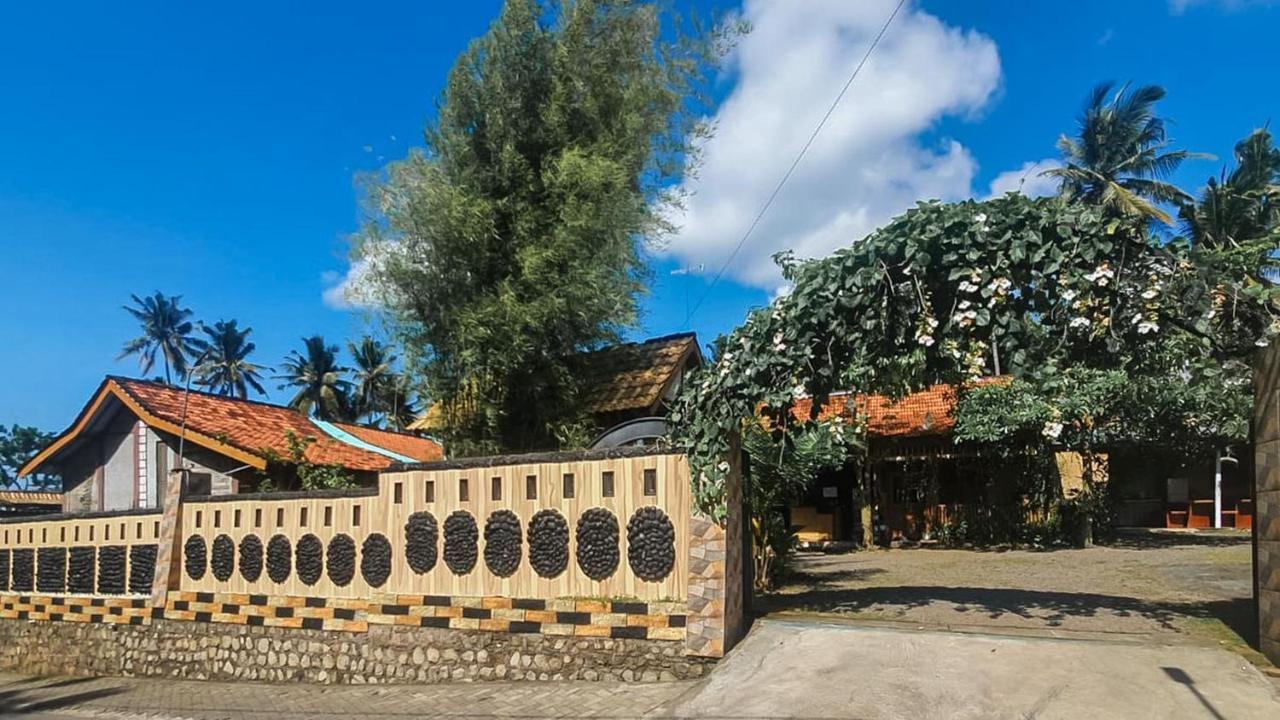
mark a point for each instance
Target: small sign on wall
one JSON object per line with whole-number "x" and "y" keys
{"x": 830, "y": 491}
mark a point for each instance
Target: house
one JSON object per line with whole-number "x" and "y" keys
{"x": 118, "y": 452}
{"x": 625, "y": 388}
{"x": 921, "y": 479}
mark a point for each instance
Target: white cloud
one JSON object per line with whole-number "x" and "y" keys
{"x": 1026, "y": 180}
{"x": 870, "y": 162}
{"x": 1178, "y": 7}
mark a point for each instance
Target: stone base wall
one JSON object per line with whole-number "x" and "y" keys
{"x": 384, "y": 654}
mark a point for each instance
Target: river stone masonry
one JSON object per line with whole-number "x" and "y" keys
{"x": 386, "y": 654}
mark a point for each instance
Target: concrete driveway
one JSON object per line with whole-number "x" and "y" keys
{"x": 787, "y": 669}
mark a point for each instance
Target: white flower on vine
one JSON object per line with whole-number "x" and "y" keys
{"x": 964, "y": 304}
{"x": 1262, "y": 342}
{"x": 1147, "y": 326}
{"x": 925, "y": 340}
{"x": 1080, "y": 322}
{"x": 1068, "y": 295}
{"x": 723, "y": 466}
{"x": 798, "y": 391}
{"x": 1052, "y": 430}
{"x": 980, "y": 217}
{"x": 1150, "y": 294}
{"x": 778, "y": 345}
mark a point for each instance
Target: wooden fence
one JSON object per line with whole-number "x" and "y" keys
{"x": 98, "y": 554}
{"x": 365, "y": 537}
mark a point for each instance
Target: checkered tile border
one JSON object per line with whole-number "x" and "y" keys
{"x": 566, "y": 617}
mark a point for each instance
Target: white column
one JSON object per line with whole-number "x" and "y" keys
{"x": 1217, "y": 489}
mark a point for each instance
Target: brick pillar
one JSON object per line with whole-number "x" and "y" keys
{"x": 167, "y": 565}
{"x": 716, "y": 616}
{"x": 1266, "y": 433}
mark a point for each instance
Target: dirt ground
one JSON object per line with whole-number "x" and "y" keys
{"x": 1158, "y": 586}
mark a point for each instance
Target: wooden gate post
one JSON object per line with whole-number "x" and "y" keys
{"x": 167, "y": 566}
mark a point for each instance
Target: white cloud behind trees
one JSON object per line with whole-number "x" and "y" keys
{"x": 873, "y": 159}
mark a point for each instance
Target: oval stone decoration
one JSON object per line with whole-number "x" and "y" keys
{"x": 309, "y": 558}
{"x": 548, "y": 543}
{"x": 460, "y": 536}
{"x": 597, "y": 535}
{"x": 279, "y": 558}
{"x": 341, "y": 559}
{"x": 502, "y": 543}
{"x": 651, "y": 549}
{"x": 250, "y": 558}
{"x": 375, "y": 560}
{"x": 223, "y": 560}
{"x": 195, "y": 557}
{"x": 421, "y": 536}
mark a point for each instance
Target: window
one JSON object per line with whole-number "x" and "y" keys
{"x": 495, "y": 488}
{"x": 397, "y": 492}
{"x": 531, "y": 487}
{"x": 567, "y": 485}
{"x": 464, "y": 493}
{"x": 199, "y": 483}
{"x": 606, "y": 483}
{"x": 650, "y": 481}
{"x": 429, "y": 491}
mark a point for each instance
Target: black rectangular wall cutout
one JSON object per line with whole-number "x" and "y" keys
{"x": 302, "y": 517}
{"x": 279, "y": 517}
{"x": 355, "y": 516}
{"x": 566, "y": 482}
{"x": 531, "y": 487}
{"x": 397, "y": 493}
{"x": 328, "y": 516}
{"x": 138, "y": 531}
{"x": 464, "y": 492}
{"x": 155, "y": 529}
{"x": 650, "y": 482}
{"x": 199, "y": 517}
{"x": 217, "y": 518}
{"x": 429, "y": 491}
{"x": 236, "y": 519}
{"x": 257, "y": 517}
{"x": 495, "y": 488}
{"x": 606, "y": 483}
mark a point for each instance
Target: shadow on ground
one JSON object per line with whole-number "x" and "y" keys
{"x": 32, "y": 695}
{"x": 1050, "y": 608}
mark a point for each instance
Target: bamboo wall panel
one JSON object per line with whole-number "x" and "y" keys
{"x": 360, "y": 517}
{"x": 126, "y": 529}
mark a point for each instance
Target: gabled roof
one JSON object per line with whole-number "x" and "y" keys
{"x": 631, "y": 377}
{"x": 635, "y": 376}
{"x": 249, "y": 431}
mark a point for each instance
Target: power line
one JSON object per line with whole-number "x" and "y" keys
{"x": 787, "y": 176}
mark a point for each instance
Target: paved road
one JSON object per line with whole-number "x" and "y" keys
{"x": 784, "y": 669}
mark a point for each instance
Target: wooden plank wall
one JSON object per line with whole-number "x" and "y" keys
{"x": 381, "y": 514}
{"x": 130, "y": 529}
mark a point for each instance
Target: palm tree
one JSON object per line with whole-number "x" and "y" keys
{"x": 224, "y": 369}
{"x": 374, "y": 376}
{"x": 1120, "y": 157}
{"x": 166, "y": 329}
{"x": 321, "y": 388}
{"x": 400, "y": 406}
{"x": 1241, "y": 206}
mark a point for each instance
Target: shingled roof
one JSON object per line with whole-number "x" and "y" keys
{"x": 252, "y": 432}
{"x": 633, "y": 377}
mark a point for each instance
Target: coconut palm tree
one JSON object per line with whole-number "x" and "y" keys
{"x": 1240, "y": 206}
{"x": 321, "y": 388}
{"x": 1120, "y": 156}
{"x": 224, "y": 368}
{"x": 166, "y": 330}
{"x": 374, "y": 376}
{"x": 400, "y": 406}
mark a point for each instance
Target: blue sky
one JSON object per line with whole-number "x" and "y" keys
{"x": 209, "y": 151}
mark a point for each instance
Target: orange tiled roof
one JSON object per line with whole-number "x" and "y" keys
{"x": 633, "y": 376}
{"x": 252, "y": 432}
{"x": 928, "y": 412}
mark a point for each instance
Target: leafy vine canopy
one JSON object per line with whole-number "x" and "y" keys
{"x": 952, "y": 292}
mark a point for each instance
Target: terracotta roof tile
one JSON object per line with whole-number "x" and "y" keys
{"x": 928, "y": 412}
{"x": 633, "y": 376}
{"x": 261, "y": 429}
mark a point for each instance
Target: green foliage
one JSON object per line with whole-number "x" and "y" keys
{"x": 166, "y": 330}
{"x": 322, "y": 388}
{"x": 18, "y": 444}
{"x": 955, "y": 292}
{"x": 1121, "y": 155}
{"x": 311, "y": 476}
{"x": 783, "y": 465}
{"x": 380, "y": 394}
{"x": 225, "y": 368}
{"x": 515, "y": 240}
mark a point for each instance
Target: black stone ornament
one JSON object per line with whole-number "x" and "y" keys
{"x": 460, "y": 536}
{"x": 51, "y": 570}
{"x": 548, "y": 543}
{"x": 340, "y": 559}
{"x": 597, "y": 535}
{"x": 279, "y": 558}
{"x": 82, "y": 562}
{"x": 24, "y": 568}
{"x": 309, "y": 558}
{"x": 651, "y": 548}
{"x": 222, "y": 561}
{"x": 375, "y": 560}
{"x": 502, "y": 543}
{"x": 142, "y": 568}
{"x": 5, "y": 561}
{"x": 111, "y": 560}
{"x": 195, "y": 557}
{"x": 250, "y": 558}
{"x": 421, "y": 536}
